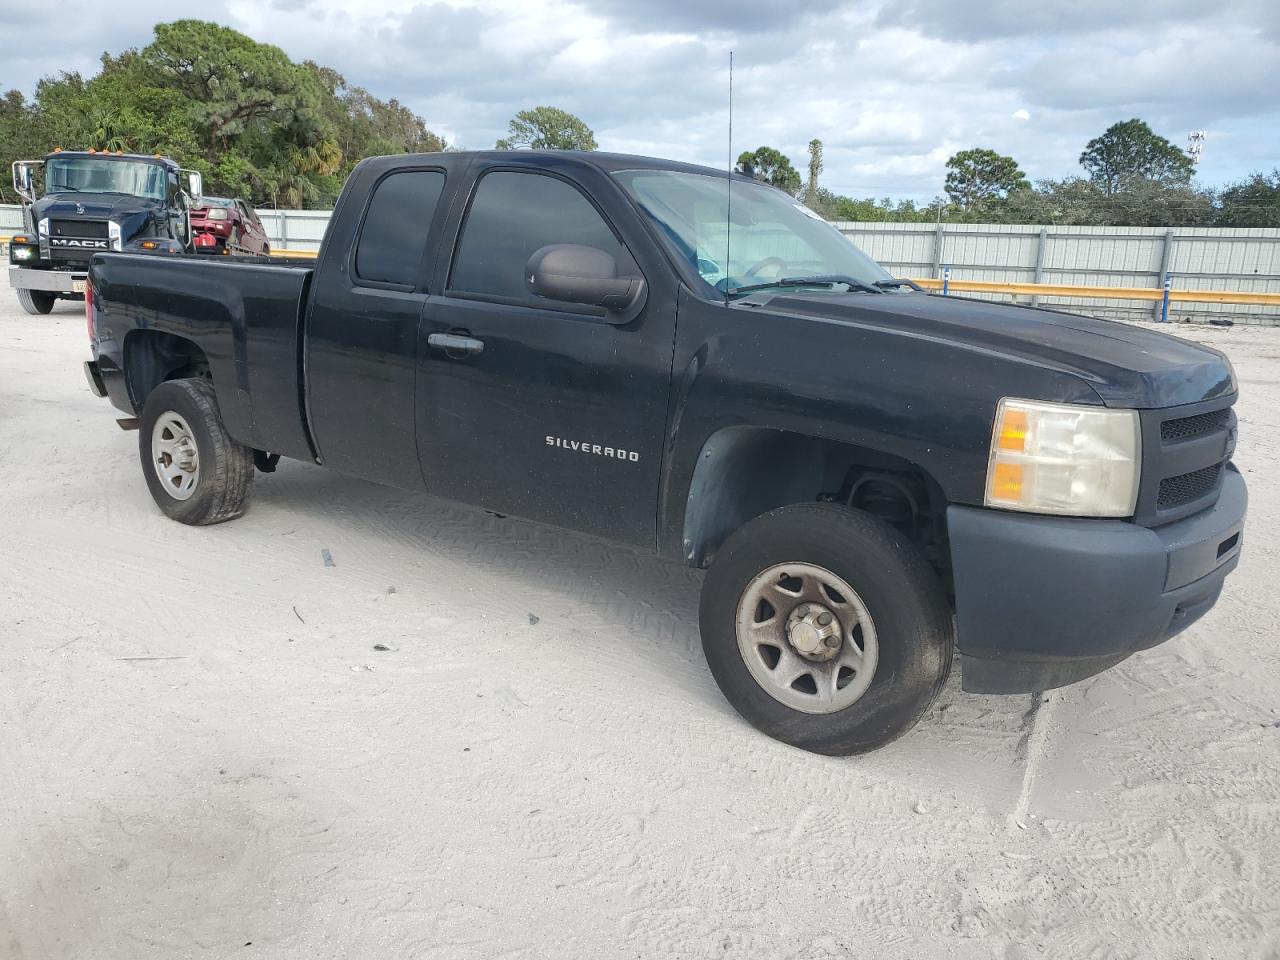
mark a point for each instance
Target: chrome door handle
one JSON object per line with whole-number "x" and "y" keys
{"x": 455, "y": 344}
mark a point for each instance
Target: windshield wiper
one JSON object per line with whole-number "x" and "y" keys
{"x": 825, "y": 280}
{"x": 891, "y": 284}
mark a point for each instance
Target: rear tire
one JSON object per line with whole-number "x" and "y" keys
{"x": 196, "y": 473}
{"x": 37, "y": 302}
{"x": 863, "y": 590}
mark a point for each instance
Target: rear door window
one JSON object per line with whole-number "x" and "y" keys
{"x": 393, "y": 237}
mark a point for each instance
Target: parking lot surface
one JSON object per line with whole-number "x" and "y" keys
{"x": 362, "y": 723}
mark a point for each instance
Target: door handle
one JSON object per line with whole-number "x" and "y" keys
{"x": 455, "y": 344}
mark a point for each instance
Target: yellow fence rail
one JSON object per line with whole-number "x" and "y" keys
{"x": 1103, "y": 293}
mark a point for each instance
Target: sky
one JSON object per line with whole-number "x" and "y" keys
{"x": 891, "y": 88}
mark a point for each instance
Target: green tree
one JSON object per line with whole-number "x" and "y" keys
{"x": 237, "y": 86}
{"x": 22, "y": 137}
{"x": 366, "y": 126}
{"x": 547, "y": 128}
{"x": 1073, "y": 200}
{"x": 1252, "y": 202}
{"x": 979, "y": 177}
{"x": 1081, "y": 202}
{"x": 811, "y": 187}
{"x": 1131, "y": 152}
{"x": 253, "y": 122}
{"x": 772, "y": 167}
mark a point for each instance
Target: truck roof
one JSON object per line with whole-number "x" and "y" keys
{"x": 111, "y": 155}
{"x": 608, "y": 162}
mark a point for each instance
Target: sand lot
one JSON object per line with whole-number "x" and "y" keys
{"x": 203, "y": 755}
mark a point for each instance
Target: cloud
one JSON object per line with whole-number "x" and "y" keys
{"x": 728, "y": 17}
{"x": 979, "y": 20}
{"x": 892, "y": 87}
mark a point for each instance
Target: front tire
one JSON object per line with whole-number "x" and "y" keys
{"x": 196, "y": 473}
{"x": 825, "y": 628}
{"x": 37, "y": 302}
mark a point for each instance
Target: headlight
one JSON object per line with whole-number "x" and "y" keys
{"x": 22, "y": 249}
{"x": 1064, "y": 458}
{"x": 216, "y": 214}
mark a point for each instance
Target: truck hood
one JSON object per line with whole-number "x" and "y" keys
{"x": 1127, "y": 366}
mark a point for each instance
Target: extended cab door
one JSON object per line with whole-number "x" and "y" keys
{"x": 550, "y": 411}
{"x": 362, "y": 331}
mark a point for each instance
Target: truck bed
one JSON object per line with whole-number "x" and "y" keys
{"x": 244, "y": 313}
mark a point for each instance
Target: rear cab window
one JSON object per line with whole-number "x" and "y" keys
{"x": 393, "y": 236}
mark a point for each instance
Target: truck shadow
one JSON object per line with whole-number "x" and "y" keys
{"x": 650, "y": 604}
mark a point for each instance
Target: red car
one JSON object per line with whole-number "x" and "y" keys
{"x": 223, "y": 225}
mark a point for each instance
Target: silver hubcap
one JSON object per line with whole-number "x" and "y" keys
{"x": 175, "y": 456}
{"x": 806, "y": 637}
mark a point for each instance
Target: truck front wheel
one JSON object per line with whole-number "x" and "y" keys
{"x": 825, "y": 628}
{"x": 36, "y": 302}
{"x": 196, "y": 473}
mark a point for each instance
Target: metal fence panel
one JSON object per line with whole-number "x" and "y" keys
{"x": 1200, "y": 258}
{"x": 10, "y": 219}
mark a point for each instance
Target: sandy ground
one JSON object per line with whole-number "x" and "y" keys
{"x": 203, "y": 755}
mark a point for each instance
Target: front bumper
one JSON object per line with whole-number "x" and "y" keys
{"x": 55, "y": 281}
{"x": 1042, "y": 602}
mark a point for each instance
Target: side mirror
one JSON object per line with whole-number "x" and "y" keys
{"x": 578, "y": 274}
{"x": 24, "y": 180}
{"x": 195, "y": 185}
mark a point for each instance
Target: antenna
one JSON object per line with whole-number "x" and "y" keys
{"x": 728, "y": 218}
{"x": 1195, "y": 144}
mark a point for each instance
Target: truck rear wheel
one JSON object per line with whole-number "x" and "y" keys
{"x": 825, "y": 628}
{"x": 196, "y": 473}
{"x": 36, "y": 302}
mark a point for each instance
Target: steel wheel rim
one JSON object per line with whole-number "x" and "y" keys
{"x": 766, "y": 644}
{"x": 175, "y": 456}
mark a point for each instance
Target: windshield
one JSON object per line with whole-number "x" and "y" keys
{"x": 772, "y": 237}
{"x": 216, "y": 202}
{"x": 96, "y": 175}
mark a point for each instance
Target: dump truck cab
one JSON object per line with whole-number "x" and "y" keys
{"x": 76, "y": 203}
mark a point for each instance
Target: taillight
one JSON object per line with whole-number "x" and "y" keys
{"x": 88, "y": 309}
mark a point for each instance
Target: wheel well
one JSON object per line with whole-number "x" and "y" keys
{"x": 151, "y": 357}
{"x": 743, "y": 472}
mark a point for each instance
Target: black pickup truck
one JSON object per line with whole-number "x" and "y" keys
{"x": 688, "y": 362}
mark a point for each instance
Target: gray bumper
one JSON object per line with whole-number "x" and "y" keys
{"x": 1043, "y": 601}
{"x": 54, "y": 281}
